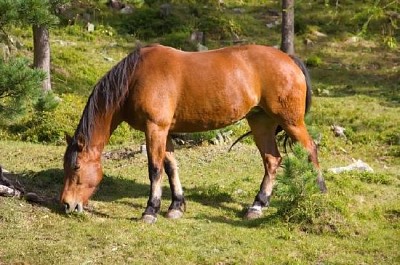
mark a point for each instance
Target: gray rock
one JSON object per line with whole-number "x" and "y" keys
{"x": 197, "y": 36}
{"x": 201, "y": 47}
{"x": 238, "y": 10}
{"x": 126, "y": 10}
{"x": 165, "y": 10}
{"x": 338, "y": 131}
{"x": 357, "y": 165}
{"x": 4, "y": 52}
{"x": 89, "y": 27}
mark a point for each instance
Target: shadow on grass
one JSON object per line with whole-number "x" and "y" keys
{"x": 359, "y": 79}
{"x": 47, "y": 184}
{"x": 266, "y": 220}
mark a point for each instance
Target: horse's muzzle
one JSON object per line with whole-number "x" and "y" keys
{"x": 73, "y": 207}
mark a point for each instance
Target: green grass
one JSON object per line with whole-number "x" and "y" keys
{"x": 211, "y": 231}
{"x": 355, "y": 86}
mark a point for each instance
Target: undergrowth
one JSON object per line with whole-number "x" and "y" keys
{"x": 303, "y": 204}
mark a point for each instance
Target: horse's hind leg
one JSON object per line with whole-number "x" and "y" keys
{"x": 177, "y": 207}
{"x": 263, "y": 129}
{"x": 300, "y": 134}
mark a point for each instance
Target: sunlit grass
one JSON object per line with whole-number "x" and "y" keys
{"x": 218, "y": 186}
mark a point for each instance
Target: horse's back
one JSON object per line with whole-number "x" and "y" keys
{"x": 194, "y": 91}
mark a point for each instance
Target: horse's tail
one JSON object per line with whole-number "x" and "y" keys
{"x": 239, "y": 139}
{"x": 303, "y": 68}
{"x": 286, "y": 137}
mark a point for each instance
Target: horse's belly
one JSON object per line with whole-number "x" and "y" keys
{"x": 204, "y": 120}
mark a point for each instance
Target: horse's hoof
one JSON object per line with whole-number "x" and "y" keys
{"x": 174, "y": 214}
{"x": 148, "y": 219}
{"x": 322, "y": 187}
{"x": 253, "y": 213}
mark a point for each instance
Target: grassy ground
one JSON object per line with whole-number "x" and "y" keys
{"x": 356, "y": 85}
{"x": 212, "y": 230}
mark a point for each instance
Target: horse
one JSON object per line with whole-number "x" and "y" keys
{"x": 160, "y": 90}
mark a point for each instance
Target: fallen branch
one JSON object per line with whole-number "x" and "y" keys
{"x": 9, "y": 192}
{"x": 7, "y": 189}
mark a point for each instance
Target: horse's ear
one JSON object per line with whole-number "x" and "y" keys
{"x": 81, "y": 142}
{"x": 68, "y": 139}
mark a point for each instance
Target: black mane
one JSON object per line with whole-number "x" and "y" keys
{"x": 107, "y": 95}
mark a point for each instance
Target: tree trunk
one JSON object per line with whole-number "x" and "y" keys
{"x": 41, "y": 53}
{"x": 287, "y": 44}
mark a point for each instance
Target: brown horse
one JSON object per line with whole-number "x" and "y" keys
{"x": 160, "y": 90}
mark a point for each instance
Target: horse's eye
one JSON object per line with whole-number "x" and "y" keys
{"x": 76, "y": 167}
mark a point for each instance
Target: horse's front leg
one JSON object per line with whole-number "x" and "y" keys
{"x": 156, "y": 142}
{"x": 178, "y": 205}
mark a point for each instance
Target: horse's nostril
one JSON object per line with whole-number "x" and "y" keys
{"x": 79, "y": 208}
{"x": 66, "y": 206}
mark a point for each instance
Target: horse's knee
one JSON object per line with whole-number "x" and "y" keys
{"x": 154, "y": 171}
{"x": 272, "y": 163}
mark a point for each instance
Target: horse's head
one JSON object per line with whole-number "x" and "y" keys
{"x": 82, "y": 174}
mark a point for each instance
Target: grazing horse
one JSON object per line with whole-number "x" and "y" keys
{"x": 160, "y": 90}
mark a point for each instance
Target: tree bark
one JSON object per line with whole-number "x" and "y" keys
{"x": 287, "y": 44}
{"x": 41, "y": 53}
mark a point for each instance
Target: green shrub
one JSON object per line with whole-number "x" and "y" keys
{"x": 179, "y": 40}
{"x": 313, "y": 61}
{"x": 50, "y": 126}
{"x": 20, "y": 86}
{"x": 124, "y": 133}
{"x": 298, "y": 188}
{"x": 302, "y": 201}
{"x": 50, "y": 123}
{"x": 47, "y": 102}
{"x": 147, "y": 23}
{"x": 218, "y": 25}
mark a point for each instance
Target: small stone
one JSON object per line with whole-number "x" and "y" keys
{"x": 165, "y": 10}
{"x": 319, "y": 34}
{"x": 238, "y": 10}
{"x": 308, "y": 42}
{"x": 325, "y": 92}
{"x": 90, "y": 27}
{"x": 338, "y": 131}
{"x": 201, "y": 47}
{"x": 126, "y": 10}
{"x": 143, "y": 149}
{"x": 214, "y": 141}
{"x": 4, "y": 52}
{"x": 220, "y": 138}
{"x": 19, "y": 44}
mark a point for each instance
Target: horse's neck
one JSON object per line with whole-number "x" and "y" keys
{"x": 102, "y": 128}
